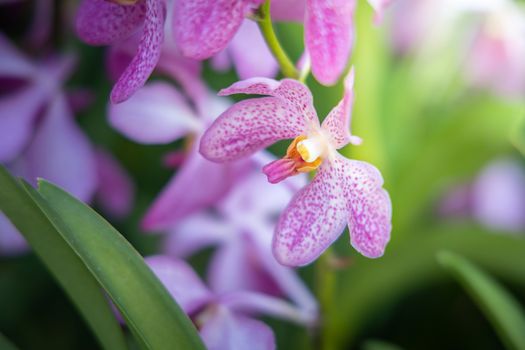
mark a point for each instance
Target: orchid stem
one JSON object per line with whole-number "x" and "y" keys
{"x": 325, "y": 283}
{"x": 265, "y": 24}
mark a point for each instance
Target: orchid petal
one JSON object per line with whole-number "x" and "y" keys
{"x": 147, "y": 56}
{"x": 329, "y": 36}
{"x": 204, "y": 28}
{"x": 115, "y": 190}
{"x": 379, "y": 7}
{"x": 181, "y": 282}
{"x": 224, "y": 330}
{"x": 288, "y": 10}
{"x": 369, "y": 207}
{"x": 315, "y": 217}
{"x": 17, "y": 115}
{"x": 236, "y": 266}
{"x": 295, "y": 96}
{"x": 157, "y": 113}
{"x": 208, "y": 183}
{"x": 102, "y": 22}
{"x": 250, "y": 53}
{"x": 14, "y": 64}
{"x": 196, "y": 232}
{"x": 258, "y": 303}
{"x": 337, "y": 123}
{"x": 61, "y": 153}
{"x": 11, "y": 241}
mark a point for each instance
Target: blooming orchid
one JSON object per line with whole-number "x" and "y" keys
{"x": 343, "y": 191}
{"x": 225, "y": 320}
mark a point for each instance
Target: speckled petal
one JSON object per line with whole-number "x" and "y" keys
{"x": 102, "y": 22}
{"x": 296, "y": 96}
{"x": 329, "y": 36}
{"x": 202, "y": 28}
{"x": 147, "y": 56}
{"x": 369, "y": 207}
{"x": 337, "y": 123}
{"x": 226, "y": 330}
{"x": 315, "y": 217}
{"x": 288, "y": 10}
{"x": 181, "y": 281}
{"x": 156, "y": 114}
{"x": 249, "y": 126}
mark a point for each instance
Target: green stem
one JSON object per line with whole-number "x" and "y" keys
{"x": 325, "y": 283}
{"x": 265, "y": 24}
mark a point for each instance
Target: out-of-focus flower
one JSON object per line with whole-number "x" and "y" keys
{"x": 159, "y": 114}
{"x": 38, "y": 134}
{"x": 496, "y": 197}
{"x": 343, "y": 191}
{"x": 488, "y": 34}
{"x": 242, "y": 227}
{"x": 329, "y": 31}
{"x": 225, "y": 320}
{"x": 101, "y": 22}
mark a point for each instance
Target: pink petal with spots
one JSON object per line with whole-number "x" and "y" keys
{"x": 115, "y": 192}
{"x": 329, "y": 36}
{"x": 147, "y": 56}
{"x": 249, "y": 126}
{"x": 314, "y": 219}
{"x": 156, "y": 114}
{"x": 337, "y": 123}
{"x": 181, "y": 281}
{"x": 226, "y": 330}
{"x": 102, "y": 22}
{"x": 203, "y": 28}
{"x": 295, "y": 96}
{"x": 369, "y": 207}
{"x": 250, "y": 53}
{"x": 288, "y": 10}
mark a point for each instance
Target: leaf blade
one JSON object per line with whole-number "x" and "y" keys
{"x": 499, "y": 306}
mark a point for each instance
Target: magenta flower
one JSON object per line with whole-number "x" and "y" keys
{"x": 225, "y": 320}
{"x": 241, "y": 229}
{"x": 101, "y": 22}
{"x": 343, "y": 191}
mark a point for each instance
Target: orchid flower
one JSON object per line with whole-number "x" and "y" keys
{"x": 242, "y": 228}
{"x": 101, "y": 22}
{"x": 342, "y": 192}
{"x": 38, "y": 133}
{"x": 225, "y": 320}
{"x": 159, "y": 114}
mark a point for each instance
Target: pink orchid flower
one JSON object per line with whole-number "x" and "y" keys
{"x": 225, "y": 320}
{"x": 241, "y": 228}
{"x": 342, "y": 192}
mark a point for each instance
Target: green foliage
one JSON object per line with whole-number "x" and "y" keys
{"x": 85, "y": 253}
{"x": 500, "y": 307}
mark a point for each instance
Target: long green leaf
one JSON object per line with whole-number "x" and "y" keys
{"x": 500, "y": 307}
{"x": 149, "y": 310}
{"x": 6, "y": 344}
{"x": 370, "y": 285}
{"x": 83, "y": 290}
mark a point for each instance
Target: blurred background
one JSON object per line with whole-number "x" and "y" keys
{"x": 440, "y": 104}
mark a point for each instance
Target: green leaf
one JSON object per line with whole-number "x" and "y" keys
{"x": 6, "y": 344}
{"x": 83, "y": 290}
{"x": 499, "y": 306}
{"x": 379, "y": 345}
{"x": 149, "y": 310}
{"x": 408, "y": 265}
